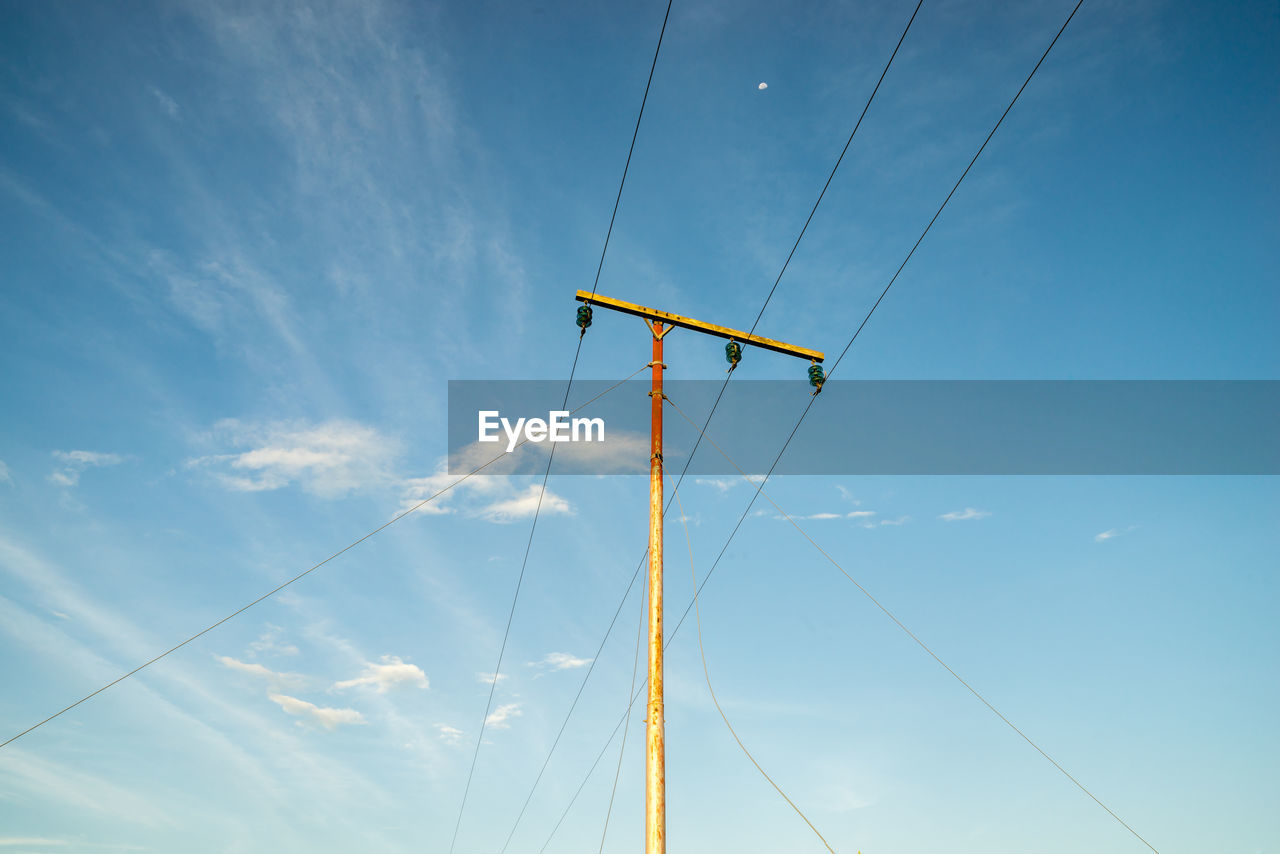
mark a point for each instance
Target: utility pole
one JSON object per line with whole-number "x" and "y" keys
{"x": 660, "y": 323}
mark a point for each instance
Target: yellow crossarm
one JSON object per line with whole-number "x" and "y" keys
{"x": 699, "y": 326}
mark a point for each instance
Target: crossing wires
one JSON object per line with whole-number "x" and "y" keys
{"x": 702, "y": 653}
{"x": 297, "y": 577}
{"x": 865, "y": 320}
{"x": 515, "y": 598}
{"x": 813, "y": 210}
{"x": 896, "y": 621}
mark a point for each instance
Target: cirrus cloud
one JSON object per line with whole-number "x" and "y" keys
{"x": 966, "y": 513}
{"x": 76, "y": 462}
{"x": 328, "y": 718}
{"x": 328, "y": 459}
{"x": 391, "y": 673}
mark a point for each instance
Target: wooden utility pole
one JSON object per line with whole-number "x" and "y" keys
{"x": 660, "y": 323}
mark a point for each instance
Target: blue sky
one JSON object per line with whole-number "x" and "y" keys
{"x": 246, "y": 245}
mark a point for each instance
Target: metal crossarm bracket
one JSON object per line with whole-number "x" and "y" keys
{"x": 652, "y": 314}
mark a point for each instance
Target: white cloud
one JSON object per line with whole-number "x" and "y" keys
{"x": 853, "y": 514}
{"x": 4, "y": 473}
{"x": 763, "y": 86}
{"x": 390, "y": 673}
{"x": 269, "y": 642}
{"x": 561, "y": 661}
{"x": 525, "y": 505}
{"x": 488, "y": 678}
{"x": 325, "y": 717}
{"x": 246, "y": 667}
{"x": 1112, "y": 534}
{"x": 848, "y": 496}
{"x": 326, "y": 459}
{"x": 167, "y": 103}
{"x": 624, "y": 452}
{"x": 726, "y": 484}
{"x": 75, "y": 462}
{"x": 452, "y": 735}
{"x": 966, "y": 513}
{"x": 901, "y": 520}
{"x": 79, "y": 791}
{"x": 255, "y": 669}
{"x": 498, "y": 717}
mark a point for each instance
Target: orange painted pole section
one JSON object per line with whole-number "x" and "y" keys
{"x": 655, "y": 798}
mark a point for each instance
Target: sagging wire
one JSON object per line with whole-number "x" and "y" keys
{"x": 909, "y": 633}
{"x": 697, "y": 613}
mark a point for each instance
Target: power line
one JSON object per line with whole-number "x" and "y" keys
{"x": 900, "y": 625}
{"x": 592, "y": 769}
{"x": 813, "y": 398}
{"x": 581, "y": 686}
{"x": 551, "y": 457}
{"x": 702, "y": 652}
{"x": 981, "y": 148}
{"x": 839, "y": 160}
{"x": 635, "y": 666}
{"x": 300, "y": 575}
{"x": 725, "y": 384}
{"x": 632, "y": 149}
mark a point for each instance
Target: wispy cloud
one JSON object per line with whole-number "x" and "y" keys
{"x": 451, "y": 735}
{"x": 80, "y": 790}
{"x": 254, "y": 669}
{"x": 526, "y": 504}
{"x": 560, "y": 661}
{"x": 102, "y": 636}
{"x": 497, "y": 498}
{"x": 327, "y": 459}
{"x": 269, "y": 643}
{"x": 1112, "y": 534}
{"x": 328, "y": 718}
{"x": 489, "y": 678}
{"x": 723, "y": 485}
{"x": 499, "y": 717}
{"x": 74, "y": 463}
{"x": 966, "y": 513}
{"x": 901, "y": 520}
{"x": 391, "y": 673}
{"x": 166, "y": 102}
{"x": 4, "y": 473}
{"x": 852, "y": 514}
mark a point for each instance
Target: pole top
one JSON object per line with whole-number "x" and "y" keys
{"x": 653, "y": 314}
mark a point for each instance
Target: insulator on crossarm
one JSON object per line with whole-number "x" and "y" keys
{"x": 816, "y": 377}
{"x": 733, "y": 354}
{"x": 584, "y": 318}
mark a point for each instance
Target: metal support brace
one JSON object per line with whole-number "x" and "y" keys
{"x": 656, "y": 334}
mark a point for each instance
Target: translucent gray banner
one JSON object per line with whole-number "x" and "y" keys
{"x": 875, "y": 427}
